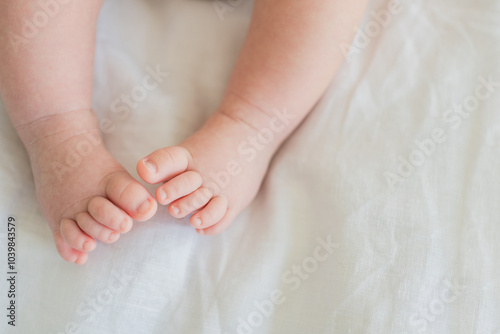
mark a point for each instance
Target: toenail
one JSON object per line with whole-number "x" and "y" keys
{"x": 79, "y": 262}
{"x": 162, "y": 195}
{"x": 151, "y": 166}
{"x": 197, "y": 221}
{"x": 86, "y": 245}
{"x": 144, "y": 207}
{"x": 124, "y": 226}
{"x": 113, "y": 236}
{"x": 175, "y": 209}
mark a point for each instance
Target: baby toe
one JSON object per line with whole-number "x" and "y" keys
{"x": 178, "y": 187}
{"x": 163, "y": 164}
{"x": 220, "y": 226}
{"x": 130, "y": 196}
{"x": 75, "y": 237}
{"x": 96, "y": 230}
{"x": 106, "y": 213}
{"x": 192, "y": 202}
{"x": 211, "y": 214}
{"x": 67, "y": 252}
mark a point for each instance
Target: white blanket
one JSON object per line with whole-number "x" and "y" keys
{"x": 379, "y": 215}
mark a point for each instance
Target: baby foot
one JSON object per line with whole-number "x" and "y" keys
{"x": 83, "y": 192}
{"x": 213, "y": 175}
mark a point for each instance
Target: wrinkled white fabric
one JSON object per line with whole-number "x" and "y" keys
{"x": 379, "y": 215}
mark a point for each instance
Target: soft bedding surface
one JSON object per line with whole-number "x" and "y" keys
{"x": 379, "y": 215}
